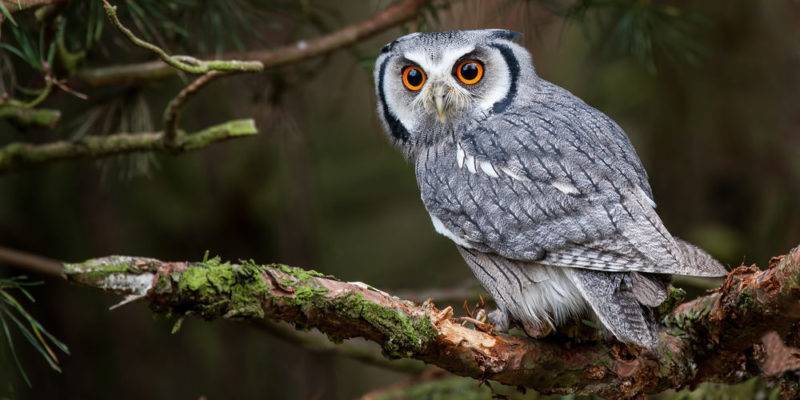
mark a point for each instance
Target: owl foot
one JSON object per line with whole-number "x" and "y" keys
{"x": 537, "y": 331}
{"x": 481, "y": 315}
{"x": 500, "y": 319}
{"x": 443, "y": 315}
{"x": 479, "y": 325}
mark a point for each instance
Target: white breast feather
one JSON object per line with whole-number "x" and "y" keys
{"x": 647, "y": 198}
{"x": 439, "y": 227}
{"x": 474, "y": 166}
{"x": 565, "y": 187}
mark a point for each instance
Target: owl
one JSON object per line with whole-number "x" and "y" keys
{"x": 543, "y": 195}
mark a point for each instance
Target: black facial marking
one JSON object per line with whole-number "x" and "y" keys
{"x": 513, "y": 68}
{"x": 395, "y": 126}
{"x": 388, "y": 47}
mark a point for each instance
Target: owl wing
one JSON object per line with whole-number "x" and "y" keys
{"x": 556, "y": 182}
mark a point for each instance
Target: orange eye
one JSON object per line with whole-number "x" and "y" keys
{"x": 469, "y": 72}
{"x": 413, "y": 78}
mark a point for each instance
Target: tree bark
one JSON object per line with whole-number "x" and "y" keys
{"x": 707, "y": 339}
{"x": 18, "y": 156}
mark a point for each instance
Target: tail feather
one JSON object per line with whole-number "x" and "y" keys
{"x": 649, "y": 289}
{"x": 612, "y": 297}
{"x": 701, "y": 262}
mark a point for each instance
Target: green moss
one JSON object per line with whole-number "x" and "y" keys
{"x": 217, "y": 289}
{"x": 404, "y": 335}
{"x": 95, "y": 270}
{"x": 247, "y": 293}
{"x": 299, "y": 273}
{"x": 745, "y": 301}
{"x": 306, "y": 295}
{"x": 674, "y": 298}
{"x": 193, "y": 279}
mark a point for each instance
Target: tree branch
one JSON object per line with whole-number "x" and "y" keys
{"x": 172, "y": 113}
{"x": 704, "y": 339}
{"x": 181, "y": 63}
{"x": 17, "y": 156}
{"x": 31, "y": 262}
{"x": 26, "y": 116}
{"x": 393, "y": 15}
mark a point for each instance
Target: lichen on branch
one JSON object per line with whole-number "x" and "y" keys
{"x": 26, "y": 116}
{"x": 704, "y": 339}
{"x": 17, "y": 156}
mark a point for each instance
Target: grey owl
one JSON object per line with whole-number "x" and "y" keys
{"x": 543, "y": 195}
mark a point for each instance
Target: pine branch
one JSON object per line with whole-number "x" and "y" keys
{"x": 181, "y": 63}
{"x": 393, "y": 15}
{"x": 704, "y": 339}
{"x": 31, "y": 262}
{"x": 173, "y": 111}
{"x": 16, "y": 156}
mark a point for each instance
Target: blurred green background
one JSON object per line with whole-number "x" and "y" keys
{"x": 707, "y": 91}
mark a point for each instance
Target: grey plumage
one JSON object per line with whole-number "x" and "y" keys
{"x": 544, "y": 195}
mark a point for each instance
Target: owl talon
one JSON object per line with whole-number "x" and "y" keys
{"x": 537, "y": 331}
{"x": 443, "y": 315}
{"x": 481, "y": 315}
{"x": 499, "y": 318}
{"x": 479, "y": 325}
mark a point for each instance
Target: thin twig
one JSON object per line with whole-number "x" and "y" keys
{"x": 210, "y": 70}
{"x": 393, "y": 15}
{"x": 182, "y": 63}
{"x": 172, "y": 113}
{"x": 31, "y": 262}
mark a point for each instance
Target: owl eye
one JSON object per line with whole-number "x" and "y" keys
{"x": 469, "y": 72}
{"x": 413, "y": 78}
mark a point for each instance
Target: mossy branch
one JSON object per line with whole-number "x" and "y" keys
{"x": 705, "y": 339}
{"x": 17, "y": 156}
{"x": 393, "y": 15}
{"x": 26, "y": 116}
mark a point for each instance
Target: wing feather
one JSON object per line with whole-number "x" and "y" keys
{"x": 557, "y": 182}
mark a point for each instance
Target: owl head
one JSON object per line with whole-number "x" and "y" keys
{"x": 429, "y": 84}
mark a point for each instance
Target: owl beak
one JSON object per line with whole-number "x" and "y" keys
{"x": 439, "y": 93}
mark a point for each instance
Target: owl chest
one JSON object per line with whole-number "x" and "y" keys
{"x": 461, "y": 200}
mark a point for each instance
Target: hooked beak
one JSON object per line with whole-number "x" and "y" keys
{"x": 439, "y": 93}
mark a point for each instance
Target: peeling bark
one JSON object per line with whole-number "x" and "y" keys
{"x": 711, "y": 338}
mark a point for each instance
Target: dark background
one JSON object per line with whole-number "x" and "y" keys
{"x": 717, "y": 130}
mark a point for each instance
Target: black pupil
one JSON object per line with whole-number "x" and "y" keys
{"x": 414, "y": 77}
{"x": 469, "y": 71}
